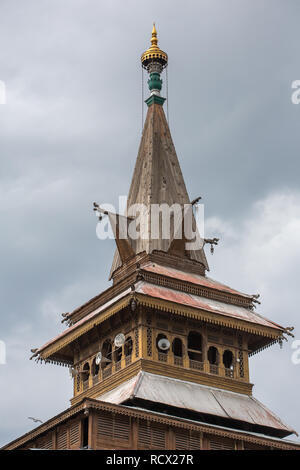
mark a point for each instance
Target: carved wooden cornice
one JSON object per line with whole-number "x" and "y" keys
{"x": 182, "y": 423}
{"x": 208, "y": 317}
{"x": 164, "y": 305}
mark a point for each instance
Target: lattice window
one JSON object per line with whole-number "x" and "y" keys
{"x": 149, "y": 341}
{"x": 136, "y": 340}
{"x": 219, "y": 443}
{"x": 78, "y": 383}
{"x": 241, "y": 356}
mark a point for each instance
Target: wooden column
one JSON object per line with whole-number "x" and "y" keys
{"x": 91, "y": 429}
{"x": 134, "y": 433}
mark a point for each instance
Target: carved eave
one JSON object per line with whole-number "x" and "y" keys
{"x": 265, "y": 332}
{"x": 60, "y": 346}
{"x": 269, "y": 333}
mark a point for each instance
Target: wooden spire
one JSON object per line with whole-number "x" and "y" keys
{"x": 157, "y": 179}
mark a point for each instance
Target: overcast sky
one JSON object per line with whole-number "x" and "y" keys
{"x": 69, "y": 135}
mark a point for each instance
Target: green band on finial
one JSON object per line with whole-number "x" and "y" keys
{"x": 155, "y": 82}
{"x": 155, "y": 99}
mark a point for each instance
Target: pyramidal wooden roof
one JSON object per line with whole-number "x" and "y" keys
{"x": 157, "y": 179}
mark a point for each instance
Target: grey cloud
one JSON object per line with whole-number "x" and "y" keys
{"x": 70, "y": 131}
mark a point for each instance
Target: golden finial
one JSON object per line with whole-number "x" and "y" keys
{"x": 154, "y": 40}
{"x": 154, "y": 53}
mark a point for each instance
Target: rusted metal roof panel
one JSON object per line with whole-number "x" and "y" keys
{"x": 195, "y": 397}
{"x": 192, "y": 278}
{"x": 179, "y": 297}
{"x": 203, "y": 303}
{"x": 85, "y": 319}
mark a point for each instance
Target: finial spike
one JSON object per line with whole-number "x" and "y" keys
{"x": 154, "y": 40}
{"x": 154, "y": 53}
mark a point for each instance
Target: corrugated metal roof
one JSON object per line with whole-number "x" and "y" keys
{"x": 191, "y": 277}
{"x": 203, "y": 303}
{"x": 195, "y": 397}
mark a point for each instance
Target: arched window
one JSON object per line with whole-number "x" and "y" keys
{"x": 128, "y": 346}
{"x": 95, "y": 368}
{"x": 228, "y": 359}
{"x": 85, "y": 372}
{"x": 158, "y": 338}
{"x": 106, "y": 353}
{"x": 162, "y": 351}
{"x": 213, "y": 359}
{"x": 195, "y": 346}
{"x": 177, "y": 347}
{"x": 213, "y": 355}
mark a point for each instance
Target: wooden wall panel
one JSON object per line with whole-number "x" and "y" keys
{"x": 112, "y": 431}
{"x": 220, "y": 443}
{"x": 151, "y": 436}
{"x": 75, "y": 437}
{"x": 187, "y": 440}
{"x": 62, "y": 438}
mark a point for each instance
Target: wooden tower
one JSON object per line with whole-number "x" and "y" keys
{"x": 160, "y": 360}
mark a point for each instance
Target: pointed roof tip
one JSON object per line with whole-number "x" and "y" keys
{"x": 154, "y": 39}
{"x": 158, "y": 179}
